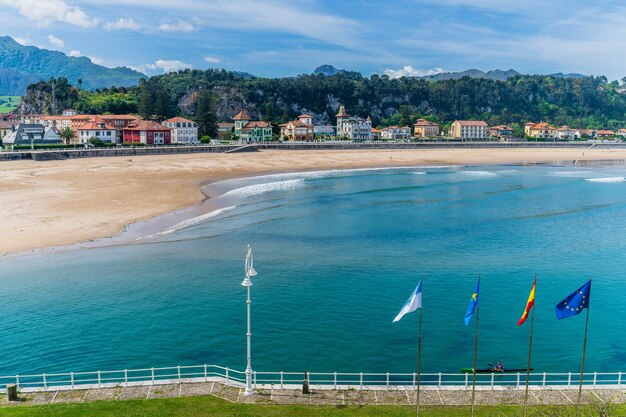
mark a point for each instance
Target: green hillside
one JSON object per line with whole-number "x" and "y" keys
{"x": 9, "y": 103}
{"x": 22, "y": 65}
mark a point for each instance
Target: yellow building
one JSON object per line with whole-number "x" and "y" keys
{"x": 425, "y": 129}
{"x": 540, "y": 130}
{"x": 300, "y": 129}
{"x": 469, "y": 129}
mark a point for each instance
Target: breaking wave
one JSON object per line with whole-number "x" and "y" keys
{"x": 606, "y": 180}
{"x": 479, "y": 174}
{"x": 256, "y": 189}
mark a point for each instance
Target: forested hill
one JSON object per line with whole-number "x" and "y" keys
{"x": 591, "y": 102}
{"x": 21, "y": 65}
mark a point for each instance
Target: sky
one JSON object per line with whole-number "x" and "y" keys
{"x": 276, "y": 38}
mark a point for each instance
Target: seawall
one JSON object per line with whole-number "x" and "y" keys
{"x": 43, "y": 155}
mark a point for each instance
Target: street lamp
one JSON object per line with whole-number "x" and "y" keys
{"x": 250, "y": 272}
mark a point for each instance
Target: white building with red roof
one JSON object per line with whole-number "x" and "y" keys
{"x": 96, "y": 129}
{"x": 183, "y": 130}
{"x": 395, "y": 132}
{"x": 469, "y": 129}
{"x": 566, "y": 133}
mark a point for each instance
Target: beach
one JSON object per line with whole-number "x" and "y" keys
{"x": 54, "y": 203}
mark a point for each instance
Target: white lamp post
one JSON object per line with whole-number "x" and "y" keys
{"x": 250, "y": 272}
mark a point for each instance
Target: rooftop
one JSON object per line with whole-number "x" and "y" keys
{"x": 147, "y": 125}
{"x": 242, "y": 115}
{"x": 256, "y": 124}
{"x": 471, "y": 123}
{"x": 96, "y": 126}
{"x": 178, "y": 120}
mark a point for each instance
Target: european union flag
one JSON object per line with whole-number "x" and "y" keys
{"x": 472, "y": 304}
{"x": 575, "y": 302}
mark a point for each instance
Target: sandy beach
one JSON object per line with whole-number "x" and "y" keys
{"x": 55, "y": 203}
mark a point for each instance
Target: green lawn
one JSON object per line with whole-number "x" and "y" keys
{"x": 211, "y": 406}
{"x": 9, "y": 103}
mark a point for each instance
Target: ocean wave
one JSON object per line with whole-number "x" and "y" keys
{"x": 568, "y": 174}
{"x": 418, "y": 173}
{"x": 256, "y": 189}
{"x": 606, "y": 180}
{"x": 479, "y": 174}
{"x": 337, "y": 172}
{"x": 190, "y": 222}
{"x": 439, "y": 166}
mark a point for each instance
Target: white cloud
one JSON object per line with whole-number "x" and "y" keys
{"x": 163, "y": 65}
{"x": 301, "y": 18}
{"x": 96, "y": 60}
{"x": 56, "y": 42}
{"x": 23, "y": 41}
{"x": 178, "y": 26}
{"x": 212, "y": 59}
{"x": 122, "y": 24}
{"x": 409, "y": 71}
{"x": 44, "y": 12}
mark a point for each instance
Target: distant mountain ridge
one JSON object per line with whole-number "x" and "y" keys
{"x": 327, "y": 70}
{"x": 22, "y": 65}
{"x": 475, "y": 73}
{"x": 492, "y": 75}
{"x": 501, "y": 75}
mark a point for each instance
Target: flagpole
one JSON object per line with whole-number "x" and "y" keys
{"x": 475, "y": 354}
{"x": 419, "y": 365}
{"x": 530, "y": 346}
{"x": 582, "y": 364}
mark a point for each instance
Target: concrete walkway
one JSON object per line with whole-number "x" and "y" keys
{"x": 399, "y": 396}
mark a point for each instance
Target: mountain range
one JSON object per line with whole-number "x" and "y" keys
{"x": 22, "y": 65}
{"x": 497, "y": 74}
{"x": 492, "y": 75}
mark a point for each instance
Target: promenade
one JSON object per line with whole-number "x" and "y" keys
{"x": 72, "y": 153}
{"x": 371, "y": 395}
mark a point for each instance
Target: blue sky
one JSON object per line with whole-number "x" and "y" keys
{"x": 290, "y": 37}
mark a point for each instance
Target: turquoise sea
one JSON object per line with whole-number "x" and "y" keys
{"x": 337, "y": 255}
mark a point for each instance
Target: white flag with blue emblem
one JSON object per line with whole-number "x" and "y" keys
{"x": 413, "y": 303}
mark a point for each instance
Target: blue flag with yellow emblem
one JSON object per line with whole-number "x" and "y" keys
{"x": 575, "y": 302}
{"x": 472, "y": 304}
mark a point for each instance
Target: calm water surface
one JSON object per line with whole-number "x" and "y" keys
{"x": 337, "y": 254}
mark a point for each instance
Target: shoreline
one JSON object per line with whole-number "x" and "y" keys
{"x": 83, "y": 201}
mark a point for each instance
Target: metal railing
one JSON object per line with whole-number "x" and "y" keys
{"x": 321, "y": 380}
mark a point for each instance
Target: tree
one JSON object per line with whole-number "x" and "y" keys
{"x": 204, "y": 114}
{"x": 96, "y": 142}
{"x": 162, "y": 106}
{"x": 67, "y": 134}
{"x": 145, "y": 105}
{"x": 80, "y": 83}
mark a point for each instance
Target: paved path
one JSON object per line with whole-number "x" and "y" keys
{"x": 399, "y": 396}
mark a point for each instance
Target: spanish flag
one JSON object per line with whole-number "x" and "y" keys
{"x": 529, "y": 304}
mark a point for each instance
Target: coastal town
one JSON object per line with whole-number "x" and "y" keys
{"x": 89, "y": 130}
